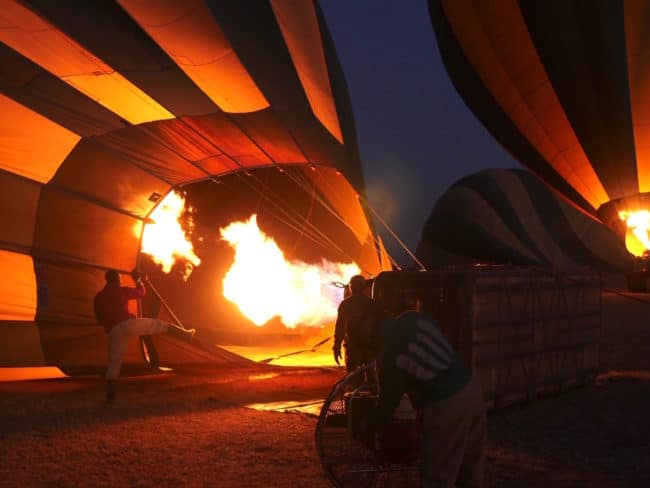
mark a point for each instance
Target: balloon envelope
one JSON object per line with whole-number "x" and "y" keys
{"x": 105, "y": 107}
{"x": 563, "y": 86}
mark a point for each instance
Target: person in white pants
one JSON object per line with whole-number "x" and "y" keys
{"x": 111, "y": 306}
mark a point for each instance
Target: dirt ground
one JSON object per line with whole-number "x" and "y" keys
{"x": 183, "y": 429}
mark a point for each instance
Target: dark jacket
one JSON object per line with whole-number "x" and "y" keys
{"x": 357, "y": 323}
{"x": 111, "y": 305}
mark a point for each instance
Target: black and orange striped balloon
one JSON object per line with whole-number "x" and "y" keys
{"x": 563, "y": 86}
{"x": 106, "y": 106}
{"x": 510, "y": 216}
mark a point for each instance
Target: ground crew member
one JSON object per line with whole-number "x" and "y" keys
{"x": 111, "y": 306}
{"x": 416, "y": 359}
{"x": 357, "y": 327}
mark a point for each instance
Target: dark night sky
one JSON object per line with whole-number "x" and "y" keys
{"x": 415, "y": 134}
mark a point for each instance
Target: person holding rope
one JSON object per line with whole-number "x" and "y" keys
{"x": 111, "y": 307}
{"x": 417, "y": 360}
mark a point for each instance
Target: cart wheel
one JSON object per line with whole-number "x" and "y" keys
{"x": 346, "y": 461}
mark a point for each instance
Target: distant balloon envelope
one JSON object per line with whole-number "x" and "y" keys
{"x": 510, "y": 217}
{"x": 563, "y": 86}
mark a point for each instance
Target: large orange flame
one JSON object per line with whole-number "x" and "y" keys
{"x": 165, "y": 240}
{"x": 637, "y": 240}
{"x": 263, "y": 284}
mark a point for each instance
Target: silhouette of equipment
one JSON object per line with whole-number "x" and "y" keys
{"x": 350, "y": 457}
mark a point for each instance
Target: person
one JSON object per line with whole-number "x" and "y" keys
{"x": 111, "y": 307}
{"x": 356, "y": 326}
{"x": 417, "y": 360}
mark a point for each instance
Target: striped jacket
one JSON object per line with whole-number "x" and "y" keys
{"x": 417, "y": 360}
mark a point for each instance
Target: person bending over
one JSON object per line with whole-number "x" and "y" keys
{"x": 417, "y": 360}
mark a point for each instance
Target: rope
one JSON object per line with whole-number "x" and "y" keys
{"x": 380, "y": 246}
{"x": 306, "y": 183}
{"x": 167, "y": 307}
{"x": 315, "y": 235}
{"x": 301, "y": 224}
{"x": 308, "y": 188}
{"x": 325, "y": 205}
{"x": 248, "y": 180}
{"x": 392, "y": 233}
{"x": 318, "y": 232}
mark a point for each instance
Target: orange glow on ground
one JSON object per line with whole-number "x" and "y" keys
{"x": 637, "y": 239}
{"x": 264, "y": 284}
{"x": 165, "y": 240}
{"x": 311, "y": 406}
{"x": 35, "y": 373}
{"x": 321, "y": 357}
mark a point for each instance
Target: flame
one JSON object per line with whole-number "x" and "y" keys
{"x": 165, "y": 240}
{"x": 637, "y": 240}
{"x": 263, "y": 284}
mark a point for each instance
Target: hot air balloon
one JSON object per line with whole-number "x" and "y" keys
{"x": 562, "y": 86}
{"x": 510, "y": 216}
{"x": 107, "y": 107}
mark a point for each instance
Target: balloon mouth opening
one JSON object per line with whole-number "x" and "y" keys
{"x": 629, "y": 219}
{"x": 637, "y": 238}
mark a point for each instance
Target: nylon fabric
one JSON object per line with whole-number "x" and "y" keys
{"x": 265, "y": 130}
{"x": 18, "y": 201}
{"x": 71, "y": 228}
{"x": 190, "y": 36}
{"x": 101, "y": 175}
{"x": 152, "y": 156}
{"x": 132, "y": 52}
{"x": 18, "y": 287}
{"x": 343, "y": 198}
{"x": 582, "y": 48}
{"x": 20, "y": 344}
{"x": 30, "y": 85}
{"x": 228, "y": 138}
{"x": 66, "y": 292}
{"x": 637, "y": 17}
{"x": 505, "y": 58}
{"x": 107, "y": 106}
{"x": 299, "y": 26}
{"x": 30, "y": 144}
{"x": 47, "y": 46}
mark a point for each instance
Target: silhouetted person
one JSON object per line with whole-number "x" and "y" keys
{"x": 111, "y": 306}
{"x": 416, "y": 359}
{"x": 357, "y": 327}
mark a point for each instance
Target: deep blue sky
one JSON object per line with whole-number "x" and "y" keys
{"x": 415, "y": 134}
